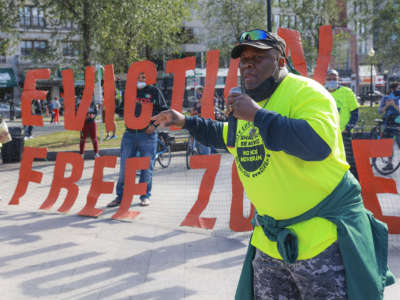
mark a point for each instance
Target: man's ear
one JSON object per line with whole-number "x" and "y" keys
{"x": 281, "y": 62}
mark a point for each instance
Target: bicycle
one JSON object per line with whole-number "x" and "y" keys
{"x": 381, "y": 163}
{"x": 190, "y": 150}
{"x": 163, "y": 154}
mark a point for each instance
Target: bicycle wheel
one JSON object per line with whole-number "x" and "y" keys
{"x": 164, "y": 152}
{"x": 381, "y": 164}
{"x": 189, "y": 151}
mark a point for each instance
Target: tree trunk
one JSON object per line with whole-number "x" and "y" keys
{"x": 86, "y": 34}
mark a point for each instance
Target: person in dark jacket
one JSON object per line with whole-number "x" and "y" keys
{"x": 90, "y": 129}
{"x": 36, "y": 110}
{"x": 142, "y": 142}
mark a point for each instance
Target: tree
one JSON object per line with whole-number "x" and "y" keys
{"x": 225, "y": 20}
{"x": 386, "y": 29}
{"x": 142, "y": 29}
{"x": 310, "y": 16}
{"x": 9, "y": 16}
{"x": 80, "y": 16}
{"x": 120, "y": 32}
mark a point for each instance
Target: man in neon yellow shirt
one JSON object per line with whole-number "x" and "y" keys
{"x": 290, "y": 159}
{"x": 347, "y": 105}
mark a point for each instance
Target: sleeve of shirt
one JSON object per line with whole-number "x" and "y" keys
{"x": 206, "y": 131}
{"x": 353, "y": 119}
{"x": 352, "y": 100}
{"x": 382, "y": 104}
{"x": 293, "y": 136}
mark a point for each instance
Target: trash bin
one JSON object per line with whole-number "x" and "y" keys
{"x": 12, "y": 151}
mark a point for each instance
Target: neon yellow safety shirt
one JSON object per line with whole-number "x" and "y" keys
{"x": 346, "y": 102}
{"x": 282, "y": 185}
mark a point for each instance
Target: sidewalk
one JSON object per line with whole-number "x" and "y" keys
{"x": 49, "y": 255}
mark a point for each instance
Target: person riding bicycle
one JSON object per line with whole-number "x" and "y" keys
{"x": 389, "y": 107}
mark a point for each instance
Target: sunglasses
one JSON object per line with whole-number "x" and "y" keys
{"x": 256, "y": 35}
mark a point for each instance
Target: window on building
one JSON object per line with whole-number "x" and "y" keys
{"x": 286, "y": 21}
{"x": 276, "y": 22}
{"x": 187, "y": 35}
{"x": 293, "y": 21}
{"x": 70, "y": 49}
{"x": 29, "y": 46}
{"x": 30, "y": 16}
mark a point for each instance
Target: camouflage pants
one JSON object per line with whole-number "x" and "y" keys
{"x": 321, "y": 277}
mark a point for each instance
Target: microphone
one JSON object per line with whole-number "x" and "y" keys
{"x": 232, "y": 121}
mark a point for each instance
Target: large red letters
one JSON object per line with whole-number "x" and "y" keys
{"x": 130, "y": 187}
{"x": 109, "y": 97}
{"x": 60, "y": 181}
{"x": 30, "y": 93}
{"x": 179, "y": 67}
{"x": 26, "y": 174}
{"x": 211, "y": 164}
{"x": 363, "y": 149}
{"x": 371, "y": 185}
{"x": 98, "y": 186}
{"x": 131, "y": 121}
{"x": 74, "y": 121}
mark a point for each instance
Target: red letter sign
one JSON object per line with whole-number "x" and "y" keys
{"x": 211, "y": 164}
{"x": 109, "y": 97}
{"x": 179, "y": 67}
{"x": 59, "y": 181}
{"x": 237, "y": 222}
{"x": 25, "y": 172}
{"x": 74, "y": 121}
{"x": 371, "y": 185}
{"x": 31, "y": 93}
{"x": 135, "y": 69}
{"x": 98, "y": 185}
{"x": 130, "y": 187}
{"x": 207, "y": 99}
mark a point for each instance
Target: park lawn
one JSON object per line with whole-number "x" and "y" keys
{"x": 68, "y": 140}
{"x": 367, "y": 115}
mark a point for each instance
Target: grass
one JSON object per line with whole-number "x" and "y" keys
{"x": 367, "y": 115}
{"x": 68, "y": 140}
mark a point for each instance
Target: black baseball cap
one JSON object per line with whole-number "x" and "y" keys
{"x": 259, "y": 39}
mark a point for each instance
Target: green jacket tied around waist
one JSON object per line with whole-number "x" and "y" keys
{"x": 363, "y": 242}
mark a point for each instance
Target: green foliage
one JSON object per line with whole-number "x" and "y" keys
{"x": 386, "y": 26}
{"x": 310, "y": 16}
{"x": 143, "y": 29}
{"x": 225, "y": 20}
{"x": 120, "y": 32}
{"x": 9, "y": 16}
{"x": 367, "y": 115}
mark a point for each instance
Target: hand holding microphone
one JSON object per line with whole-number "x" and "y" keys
{"x": 232, "y": 121}
{"x": 240, "y": 106}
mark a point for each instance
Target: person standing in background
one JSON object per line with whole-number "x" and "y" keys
{"x": 56, "y": 109}
{"x": 36, "y": 110}
{"x": 347, "y": 105}
{"x": 142, "y": 142}
{"x": 90, "y": 128}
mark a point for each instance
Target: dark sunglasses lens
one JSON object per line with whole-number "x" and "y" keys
{"x": 254, "y": 35}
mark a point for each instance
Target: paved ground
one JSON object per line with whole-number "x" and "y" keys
{"x": 49, "y": 255}
{"x": 39, "y": 130}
